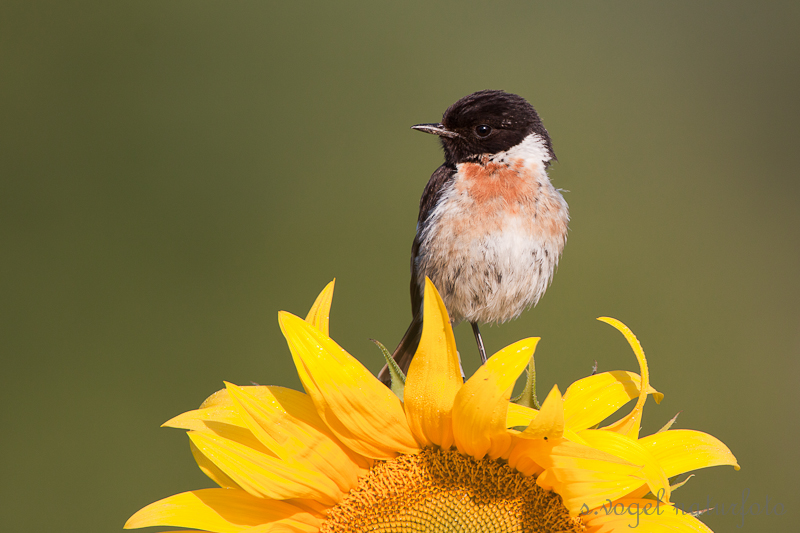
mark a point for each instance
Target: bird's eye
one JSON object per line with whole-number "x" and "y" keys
{"x": 483, "y": 130}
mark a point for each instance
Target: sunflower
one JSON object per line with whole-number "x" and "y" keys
{"x": 350, "y": 455}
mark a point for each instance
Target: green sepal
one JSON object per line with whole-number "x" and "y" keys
{"x": 528, "y": 396}
{"x": 680, "y": 484}
{"x": 398, "y": 378}
{"x": 669, "y": 424}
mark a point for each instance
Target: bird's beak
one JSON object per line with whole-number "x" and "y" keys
{"x": 435, "y": 129}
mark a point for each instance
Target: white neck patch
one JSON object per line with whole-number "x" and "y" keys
{"x": 532, "y": 151}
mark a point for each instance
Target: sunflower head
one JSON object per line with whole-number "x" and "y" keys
{"x": 347, "y": 455}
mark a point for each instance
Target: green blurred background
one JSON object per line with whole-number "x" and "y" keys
{"x": 175, "y": 173}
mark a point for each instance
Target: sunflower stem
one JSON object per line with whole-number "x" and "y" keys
{"x": 398, "y": 378}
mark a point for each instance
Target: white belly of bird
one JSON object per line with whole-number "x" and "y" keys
{"x": 492, "y": 277}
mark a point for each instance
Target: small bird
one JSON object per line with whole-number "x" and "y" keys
{"x": 491, "y": 226}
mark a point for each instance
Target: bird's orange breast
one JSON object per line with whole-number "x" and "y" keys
{"x": 488, "y": 194}
{"x": 489, "y": 182}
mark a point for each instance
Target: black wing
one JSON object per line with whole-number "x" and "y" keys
{"x": 408, "y": 344}
{"x": 436, "y": 186}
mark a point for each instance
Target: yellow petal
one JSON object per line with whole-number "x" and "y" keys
{"x": 522, "y": 459}
{"x": 194, "y": 531}
{"x": 284, "y": 526}
{"x": 434, "y": 376}
{"x": 217, "y": 510}
{"x": 592, "y": 399}
{"x": 641, "y": 515}
{"x": 523, "y": 452}
{"x": 219, "y": 399}
{"x": 549, "y": 422}
{"x": 221, "y": 408}
{"x": 293, "y": 439}
{"x": 211, "y": 470}
{"x": 481, "y": 405}
{"x": 319, "y": 315}
{"x": 580, "y": 474}
{"x": 684, "y": 450}
{"x": 220, "y": 416}
{"x": 222, "y": 420}
{"x": 265, "y": 476}
{"x": 364, "y": 414}
{"x": 632, "y": 451}
{"x": 630, "y": 424}
{"x": 218, "y": 408}
{"x": 519, "y": 415}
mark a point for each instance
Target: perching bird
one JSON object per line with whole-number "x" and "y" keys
{"x": 491, "y": 226}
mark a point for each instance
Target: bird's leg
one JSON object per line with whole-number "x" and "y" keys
{"x": 479, "y": 340}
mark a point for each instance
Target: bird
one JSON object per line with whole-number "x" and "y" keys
{"x": 491, "y": 226}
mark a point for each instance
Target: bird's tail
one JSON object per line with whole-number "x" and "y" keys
{"x": 405, "y": 350}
